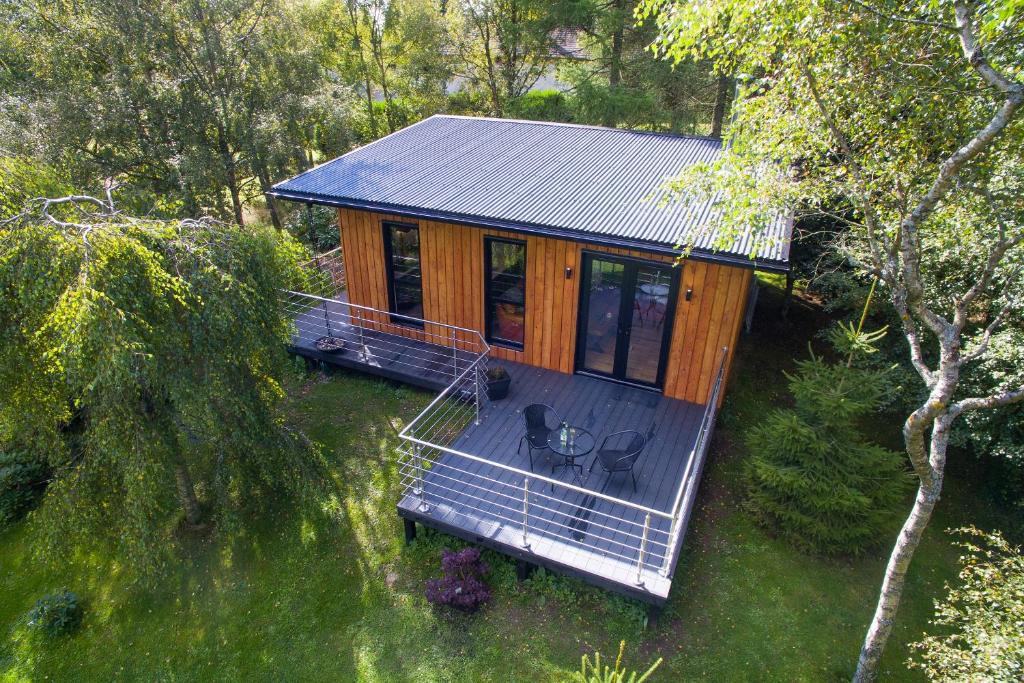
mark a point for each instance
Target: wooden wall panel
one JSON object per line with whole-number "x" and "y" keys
{"x": 453, "y": 293}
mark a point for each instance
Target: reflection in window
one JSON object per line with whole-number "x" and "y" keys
{"x": 506, "y": 291}
{"x": 402, "y": 244}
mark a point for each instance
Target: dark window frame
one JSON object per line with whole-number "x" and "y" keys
{"x": 488, "y": 292}
{"x": 389, "y": 269}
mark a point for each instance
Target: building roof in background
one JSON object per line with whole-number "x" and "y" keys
{"x": 588, "y": 183}
{"x": 566, "y": 43}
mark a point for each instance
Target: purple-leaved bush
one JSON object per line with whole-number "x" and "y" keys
{"x": 461, "y": 585}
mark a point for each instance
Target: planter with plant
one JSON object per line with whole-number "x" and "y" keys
{"x": 498, "y": 383}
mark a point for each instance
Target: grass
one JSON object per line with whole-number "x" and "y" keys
{"x": 337, "y": 596}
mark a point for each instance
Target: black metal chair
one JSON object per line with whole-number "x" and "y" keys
{"x": 622, "y": 458}
{"x": 538, "y": 428}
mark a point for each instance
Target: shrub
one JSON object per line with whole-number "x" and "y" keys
{"x": 461, "y": 585}
{"x": 541, "y": 105}
{"x": 497, "y": 373}
{"x": 980, "y": 619}
{"x": 316, "y": 227}
{"x": 593, "y": 672}
{"x": 22, "y": 477}
{"x": 56, "y": 615}
{"x": 812, "y": 476}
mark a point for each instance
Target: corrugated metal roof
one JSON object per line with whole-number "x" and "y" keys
{"x": 583, "y": 182}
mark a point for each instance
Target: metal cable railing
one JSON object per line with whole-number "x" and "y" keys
{"x": 537, "y": 511}
{"x": 399, "y": 342}
{"x": 688, "y": 486}
{"x": 533, "y": 507}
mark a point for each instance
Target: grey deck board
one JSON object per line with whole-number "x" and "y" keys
{"x": 373, "y": 351}
{"x": 602, "y": 407}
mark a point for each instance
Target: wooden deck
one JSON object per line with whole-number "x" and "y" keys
{"x": 376, "y": 352}
{"x": 569, "y": 533}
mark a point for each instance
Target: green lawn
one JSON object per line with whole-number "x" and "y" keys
{"x": 333, "y": 594}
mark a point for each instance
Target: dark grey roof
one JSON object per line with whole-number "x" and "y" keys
{"x": 580, "y": 182}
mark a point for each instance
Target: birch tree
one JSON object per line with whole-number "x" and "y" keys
{"x": 902, "y": 120}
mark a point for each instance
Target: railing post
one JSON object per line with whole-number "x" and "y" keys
{"x": 643, "y": 549}
{"x": 362, "y": 345}
{"x": 670, "y": 545}
{"x": 419, "y": 491}
{"x": 455, "y": 357}
{"x": 476, "y": 391}
{"x": 526, "y": 510}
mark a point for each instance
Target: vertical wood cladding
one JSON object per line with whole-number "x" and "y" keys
{"x": 451, "y": 257}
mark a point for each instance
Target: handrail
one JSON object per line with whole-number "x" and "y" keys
{"x": 475, "y": 333}
{"x": 709, "y": 414}
{"x": 508, "y": 468}
{"x": 540, "y": 477}
{"x": 316, "y": 257}
{"x": 697, "y": 455}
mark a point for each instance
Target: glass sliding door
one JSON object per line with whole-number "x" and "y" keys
{"x": 649, "y": 310}
{"x": 603, "y": 302}
{"x": 625, "y": 318}
{"x": 405, "y": 278}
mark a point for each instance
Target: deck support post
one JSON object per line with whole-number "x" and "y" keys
{"x": 526, "y": 511}
{"x": 410, "y": 530}
{"x": 643, "y": 549}
{"x": 653, "y": 614}
{"x": 524, "y": 569}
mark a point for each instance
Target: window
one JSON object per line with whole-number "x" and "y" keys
{"x": 506, "y": 291}
{"x": 405, "y": 279}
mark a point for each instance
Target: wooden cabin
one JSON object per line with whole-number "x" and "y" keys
{"x": 548, "y": 239}
{"x": 544, "y": 248}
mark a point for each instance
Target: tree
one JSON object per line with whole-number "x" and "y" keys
{"x": 148, "y": 356}
{"x": 903, "y": 122}
{"x": 623, "y": 83}
{"x": 506, "y": 45}
{"x": 982, "y": 635}
{"x": 813, "y": 476}
{"x": 199, "y": 105}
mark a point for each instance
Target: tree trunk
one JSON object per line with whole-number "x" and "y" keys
{"x": 906, "y": 544}
{"x": 892, "y": 585}
{"x": 721, "y": 96}
{"x": 230, "y": 174}
{"x": 615, "y": 64}
{"x": 187, "y": 494}
{"x": 265, "y": 185}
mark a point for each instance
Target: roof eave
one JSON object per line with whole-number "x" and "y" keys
{"x": 735, "y": 260}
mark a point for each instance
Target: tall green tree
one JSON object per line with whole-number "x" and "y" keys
{"x": 623, "y": 83}
{"x": 199, "y": 105}
{"x": 397, "y": 54}
{"x": 146, "y": 358}
{"x": 904, "y": 121}
{"x": 506, "y": 45}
